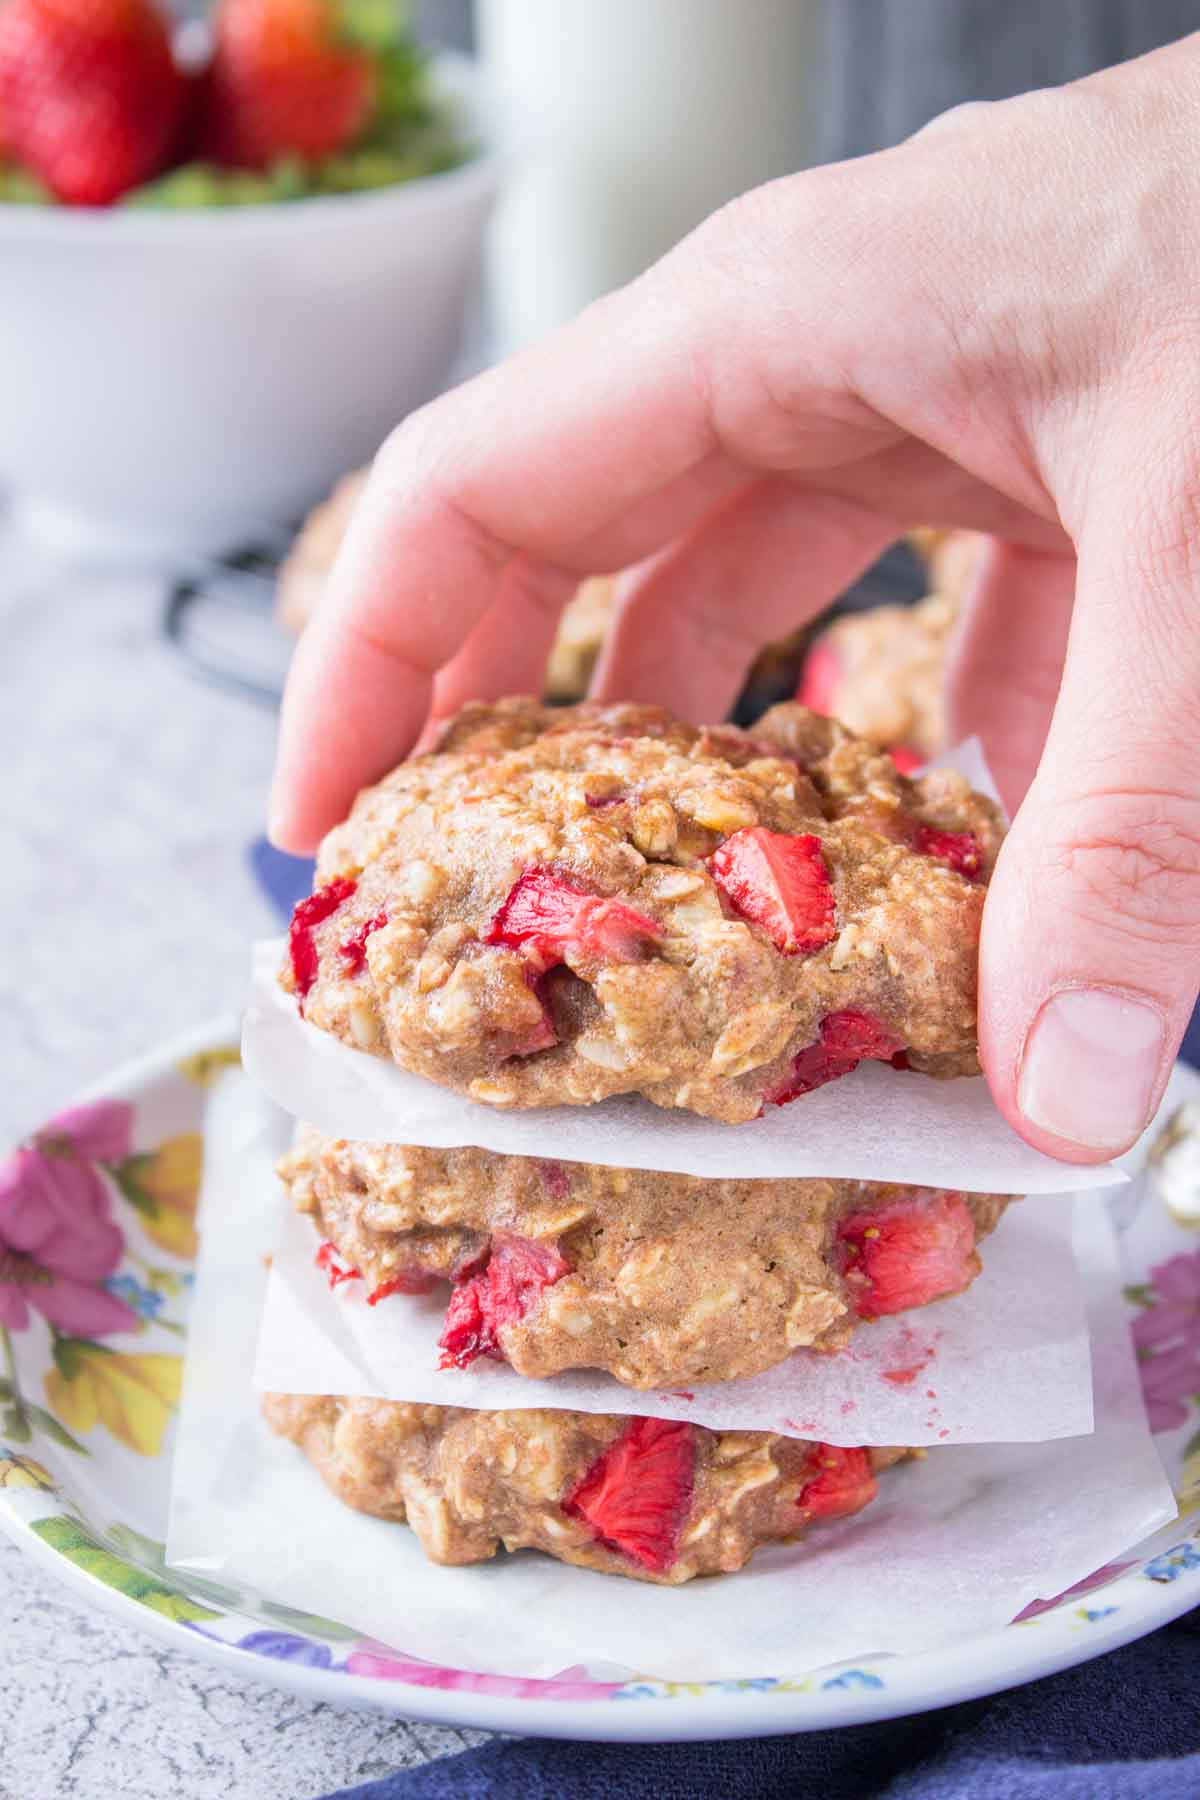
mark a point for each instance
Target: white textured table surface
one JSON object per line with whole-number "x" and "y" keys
{"x": 130, "y": 794}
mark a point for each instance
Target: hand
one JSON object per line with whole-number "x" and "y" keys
{"x": 996, "y": 325}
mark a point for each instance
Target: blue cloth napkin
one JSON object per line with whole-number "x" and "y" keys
{"x": 284, "y": 879}
{"x": 1125, "y": 1727}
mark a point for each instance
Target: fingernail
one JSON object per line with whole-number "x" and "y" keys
{"x": 1090, "y": 1068}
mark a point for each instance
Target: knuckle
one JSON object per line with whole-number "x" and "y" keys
{"x": 1132, "y": 861}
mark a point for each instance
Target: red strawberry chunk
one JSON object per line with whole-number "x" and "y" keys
{"x": 636, "y": 1494}
{"x": 354, "y": 950}
{"x": 517, "y": 1273}
{"x": 310, "y": 913}
{"x": 329, "y": 1260}
{"x": 842, "y": 1483}
{"x": 779, "y": 881}
{"x": 820, "y": 679}
{"x": 909, "y": 1252}
{"x": 906, "y": 760}
{"x": 959, "y": 848}
{"x": 847, "y": 1038}
{"x": 546, "y": 916}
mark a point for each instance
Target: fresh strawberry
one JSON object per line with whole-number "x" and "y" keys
{"x": 906, "y": 760}
{"x": 778, "y": 881}
{"x": 90, "y": 95}
{"x": 283, "y": 83}
{"x": 546, "y": 916}
{"x": 310, "y": 913}
{"x": 518, "y": 1272}
{"x": 820, "y": 679}
{"x": 354, "y": 950}
{"x": 909, "y": 1252}
{"x": 959, "y": 848}
{"x": 843, "y": 1483}
{"x": 636, "y": 1494}
{"x": 847, "y": 1038}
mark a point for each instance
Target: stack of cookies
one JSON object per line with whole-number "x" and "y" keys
{"x": 558, "y": 906}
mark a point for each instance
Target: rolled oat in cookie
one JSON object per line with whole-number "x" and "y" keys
{"x": 555, "y": 906}
{"x": 661, "y": 1280}
{"x": 652, "y": 1498}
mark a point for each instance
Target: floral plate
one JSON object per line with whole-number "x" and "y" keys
{"x": 96, "y": 1245}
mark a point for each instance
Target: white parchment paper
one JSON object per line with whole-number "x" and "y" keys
{"x": 874, "y": 1123}
{"x": 1008, "y": 1361}
{"x": 955, "y": 1545}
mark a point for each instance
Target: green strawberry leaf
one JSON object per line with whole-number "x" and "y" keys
{"x": 1192, "y": 1447}
{"x": 71, "y": 1540}
{"x": 1141, "y": 1295}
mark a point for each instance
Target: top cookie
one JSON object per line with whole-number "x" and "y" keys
{"x": 558, "y": 905}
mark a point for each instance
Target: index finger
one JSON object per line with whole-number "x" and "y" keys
{"x": 609, "y": 455}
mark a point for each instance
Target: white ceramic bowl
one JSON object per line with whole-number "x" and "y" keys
{"x": 176, "y": 382}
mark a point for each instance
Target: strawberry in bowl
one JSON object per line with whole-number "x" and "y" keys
{"x": 196, "y": 355}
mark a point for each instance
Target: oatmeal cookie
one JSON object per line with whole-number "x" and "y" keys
{"x": 661, "y": 1280}
{"x": 557, "y": 905}
{"x": 652, "y": 1498}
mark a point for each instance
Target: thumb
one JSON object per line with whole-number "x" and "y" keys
{"x": 1090, "y": 955}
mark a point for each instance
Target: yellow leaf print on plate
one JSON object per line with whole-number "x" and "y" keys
{"x": 164, "y": 1186}
{"x": 132, "y": 1396}
{"x": 206, "y": 1065}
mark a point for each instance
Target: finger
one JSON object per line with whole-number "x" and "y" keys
{"x": 690, "y": 623}
{"x": 508, "y": 649}
{"x": 606, "y": 422}
{"x": 1090, "y": 957}
{"x": 1006, "y": 660}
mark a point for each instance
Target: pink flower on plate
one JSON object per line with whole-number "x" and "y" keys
{"x": 385, "y": 1665}
{"x": 58, "y": 1243}
{"x": 1167, "y": 1335}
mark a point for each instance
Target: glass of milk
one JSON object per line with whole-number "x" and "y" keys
{"x": 634, "y": 119}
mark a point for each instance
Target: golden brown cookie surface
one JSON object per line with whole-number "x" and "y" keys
{"x": 560, "y": 905}
{"x": 651, "y": 1498}
{"x": 664, "y": 1281}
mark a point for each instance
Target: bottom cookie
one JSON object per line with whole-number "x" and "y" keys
{"x": 657, "y": 1499}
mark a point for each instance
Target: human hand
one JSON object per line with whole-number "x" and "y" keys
{"x": 995, "y": 325}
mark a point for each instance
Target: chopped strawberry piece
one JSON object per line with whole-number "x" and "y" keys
{"x": 354, "y": 950}
{"x": 545, "y": 916}
{"x": 820, "y": 679}
{"x": 329, "y": 1260}
{"x": 778, "y": 881}
{"x": 909, "y": 1252}
{"x": 310, "y": 913}
{"x": 847, "y": 1038}
{"x": 414, "y": 1280}
{"x": 959, "y": 848}
{"x": 636, "y": 1494}
{"x": 518, "y": 1272}
{"x": 906, "y": 760}
{"x": 843, "y": 1483}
